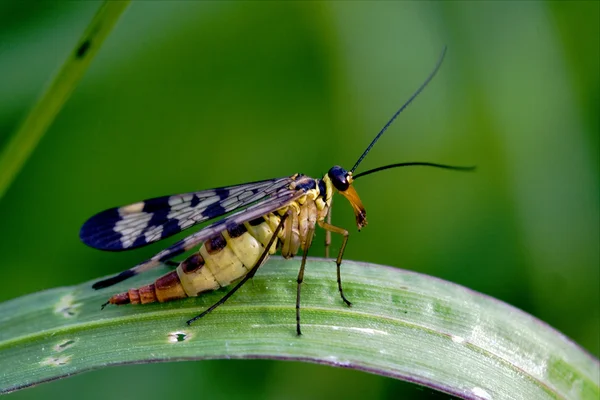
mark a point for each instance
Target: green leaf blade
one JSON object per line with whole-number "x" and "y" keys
{"x": 402, "y": 324}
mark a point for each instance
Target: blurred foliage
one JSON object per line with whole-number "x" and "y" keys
{"x": 192, "y": 95}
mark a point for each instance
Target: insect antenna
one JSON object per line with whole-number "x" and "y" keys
{"x": 415, "y": 94}
{"x": 412, "y": 163}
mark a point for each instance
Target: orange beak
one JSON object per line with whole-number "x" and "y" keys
{"x": 359, "y": 209}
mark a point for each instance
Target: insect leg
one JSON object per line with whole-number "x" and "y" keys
{"x": 249, "y": 275}
{"x": 331, "y": 228}
{"x": 328, "y": 233}
{"x": 309, "y": 239}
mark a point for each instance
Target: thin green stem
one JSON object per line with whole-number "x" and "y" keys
{"x": 43, "y": 113}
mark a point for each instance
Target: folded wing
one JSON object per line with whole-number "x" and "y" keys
{"x": 145, "y": 222}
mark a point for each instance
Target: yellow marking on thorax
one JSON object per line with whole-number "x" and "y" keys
{"x": 328, "y": 188}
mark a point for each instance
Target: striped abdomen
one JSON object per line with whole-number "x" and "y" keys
{"x": 221, "y": 260}
{"x": 230, "y": 255}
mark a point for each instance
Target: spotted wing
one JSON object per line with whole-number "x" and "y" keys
{"x": 275, "y": 202}
{"x": 138, "y": 224}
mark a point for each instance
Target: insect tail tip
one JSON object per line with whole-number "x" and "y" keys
{"x": 104, "y": 305}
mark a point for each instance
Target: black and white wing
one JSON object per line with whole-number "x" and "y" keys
{"x": 276, "y": 201}
{"x": 145, "y": 222}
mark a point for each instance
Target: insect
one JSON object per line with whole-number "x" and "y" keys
{"x": 270, "y": 215}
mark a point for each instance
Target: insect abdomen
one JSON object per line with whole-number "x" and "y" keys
{"x": 221, "y": 260}
{"x": 167, "y": 287}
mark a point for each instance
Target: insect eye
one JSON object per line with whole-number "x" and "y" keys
{"x": 338, "y": 176}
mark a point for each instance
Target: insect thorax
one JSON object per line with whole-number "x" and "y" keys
{"x": 231, "y": 254}
{"x": 304, "y": 213}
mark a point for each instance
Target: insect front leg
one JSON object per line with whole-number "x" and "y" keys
{"x": 249, "y": 275}
{"x": 328, "y": 233}
{"x": 331, "y": 228}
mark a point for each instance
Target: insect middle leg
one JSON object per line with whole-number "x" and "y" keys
{"x": 248, "y": 276}
{"x": 331, "y": 228}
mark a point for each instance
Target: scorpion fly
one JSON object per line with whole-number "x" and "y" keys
{"x": 268, "y": 216}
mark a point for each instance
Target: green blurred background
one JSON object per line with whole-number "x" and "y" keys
{"x": 192, "y": 95}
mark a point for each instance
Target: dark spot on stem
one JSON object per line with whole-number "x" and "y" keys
{"x": 83, "y": 49}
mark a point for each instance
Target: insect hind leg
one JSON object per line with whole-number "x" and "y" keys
{"x": 300, "y": 279}
{"x": 332, "y": 228}
{"x": 248, "y": 276}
